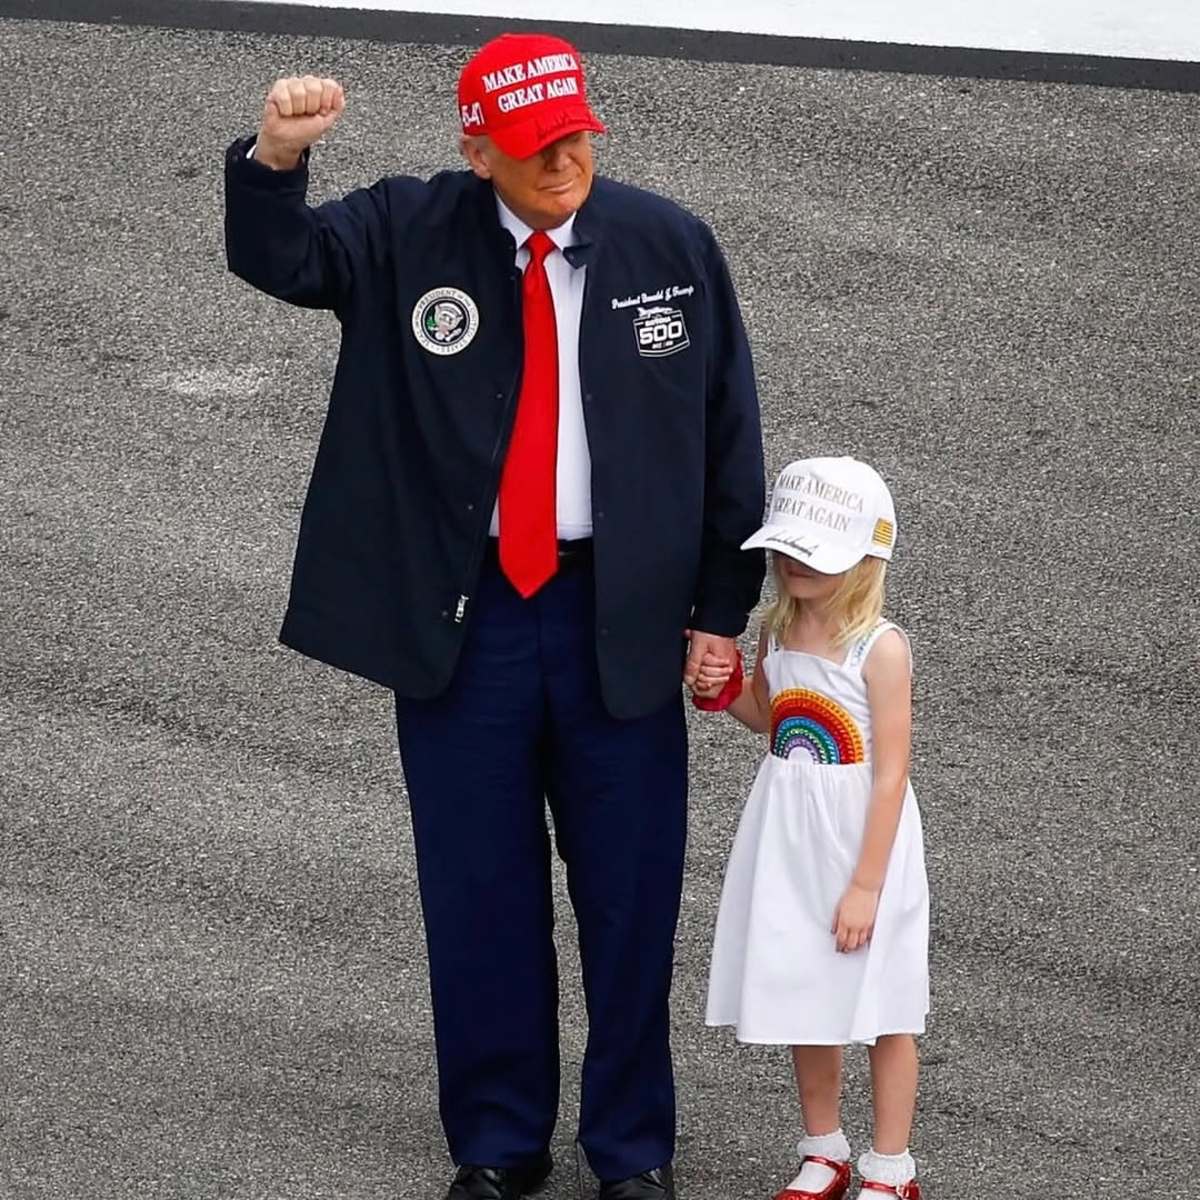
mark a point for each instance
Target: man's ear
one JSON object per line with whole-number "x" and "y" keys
{"x": 474, "y": 150}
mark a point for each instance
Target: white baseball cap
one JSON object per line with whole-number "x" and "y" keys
{"x": 829, "y": 513}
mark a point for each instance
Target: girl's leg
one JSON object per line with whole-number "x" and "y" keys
{"x": 819, "y": 1082}
{"x": 893, "y": 1090}
{"x": 894, "y": 1096}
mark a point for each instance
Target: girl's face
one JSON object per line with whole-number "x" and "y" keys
{"x": 803, "y": 583}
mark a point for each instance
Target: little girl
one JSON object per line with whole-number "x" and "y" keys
{"x": 822, "y": 934}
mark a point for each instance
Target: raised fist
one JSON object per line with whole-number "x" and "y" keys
{"x": 298, "y": 112}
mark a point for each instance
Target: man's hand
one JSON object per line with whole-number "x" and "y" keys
{"x": 298, "y": 112}
{"x": 709, "y": 664}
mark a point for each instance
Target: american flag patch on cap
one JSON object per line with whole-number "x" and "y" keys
{"x": 885, "y": 533}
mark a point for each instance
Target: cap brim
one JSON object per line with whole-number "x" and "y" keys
{"x": 525, "y": 138}
{"x": 822, "y": 557}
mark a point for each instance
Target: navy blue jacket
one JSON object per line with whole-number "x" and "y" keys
{"x": 395, "y": 523}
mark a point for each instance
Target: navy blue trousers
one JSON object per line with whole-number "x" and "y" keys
{"x": 522, "y": 724}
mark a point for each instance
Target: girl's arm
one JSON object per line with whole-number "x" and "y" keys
{"x": 888, "y": 675}
{"x": 753, "y": 706}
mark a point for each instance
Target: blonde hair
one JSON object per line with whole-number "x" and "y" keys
{"x": 855, "y": 607}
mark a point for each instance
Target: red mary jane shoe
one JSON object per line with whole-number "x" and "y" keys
{"x": 906, "y": 1191}
{"x": 835, "y": 1189}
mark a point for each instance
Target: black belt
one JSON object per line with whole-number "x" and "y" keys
{"x": 575, "y": 553}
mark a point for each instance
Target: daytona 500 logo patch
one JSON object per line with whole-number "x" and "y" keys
{"x": 660, "y": 331}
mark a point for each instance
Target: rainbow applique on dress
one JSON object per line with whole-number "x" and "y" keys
{"x": 804, "y": 721}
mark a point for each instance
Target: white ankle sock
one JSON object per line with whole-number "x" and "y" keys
{"x": 815, "y": 1177}
{"x": 895, "y": 1169}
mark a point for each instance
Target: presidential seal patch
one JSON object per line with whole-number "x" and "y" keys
{"x": 445, "y": 321}
{"x": 660, "y": 331}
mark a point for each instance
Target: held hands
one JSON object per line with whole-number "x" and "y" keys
{"x": 298, "y": 112}
{"x": 854, "y": 920}
{"x": 710, "y": 663}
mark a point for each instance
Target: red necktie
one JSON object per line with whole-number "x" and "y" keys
{"x": 528, "y": 504}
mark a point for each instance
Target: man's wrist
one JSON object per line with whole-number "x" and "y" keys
{"x": 718, "y": 622}
{"x": 276, "y": 157}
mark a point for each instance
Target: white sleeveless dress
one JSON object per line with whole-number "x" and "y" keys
{"x": 776, "y": 974}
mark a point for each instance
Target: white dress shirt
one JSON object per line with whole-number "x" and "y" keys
{"x": 574, "y": 476}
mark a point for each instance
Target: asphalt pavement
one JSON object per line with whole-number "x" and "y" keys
{"x": 212, "y": 972}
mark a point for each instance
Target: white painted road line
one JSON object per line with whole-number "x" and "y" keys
{"x": 1164, "y": 29}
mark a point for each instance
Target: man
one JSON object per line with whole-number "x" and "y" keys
{"x": 541, "y": 455}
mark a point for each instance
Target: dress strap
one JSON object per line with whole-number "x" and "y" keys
{"x": 859, "y": 651}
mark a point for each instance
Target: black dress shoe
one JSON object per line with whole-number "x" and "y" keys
{"x": 658, "y": 1184}
{"x": 501, "y": 1183}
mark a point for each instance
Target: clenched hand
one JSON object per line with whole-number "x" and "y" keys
{"x": 298, "y": 112}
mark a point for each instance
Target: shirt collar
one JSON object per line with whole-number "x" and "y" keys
{"x": 563, "y": 236}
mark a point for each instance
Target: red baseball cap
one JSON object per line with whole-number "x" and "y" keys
{"x": 524, "y": 91}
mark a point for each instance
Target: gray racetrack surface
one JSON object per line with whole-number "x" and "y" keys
{"x": 213, "y": 978}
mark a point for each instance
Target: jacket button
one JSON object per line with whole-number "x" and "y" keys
{"x": 604, "y": 631}
{"x": 470, "y": 508}
{"x": 600, "y": 516}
